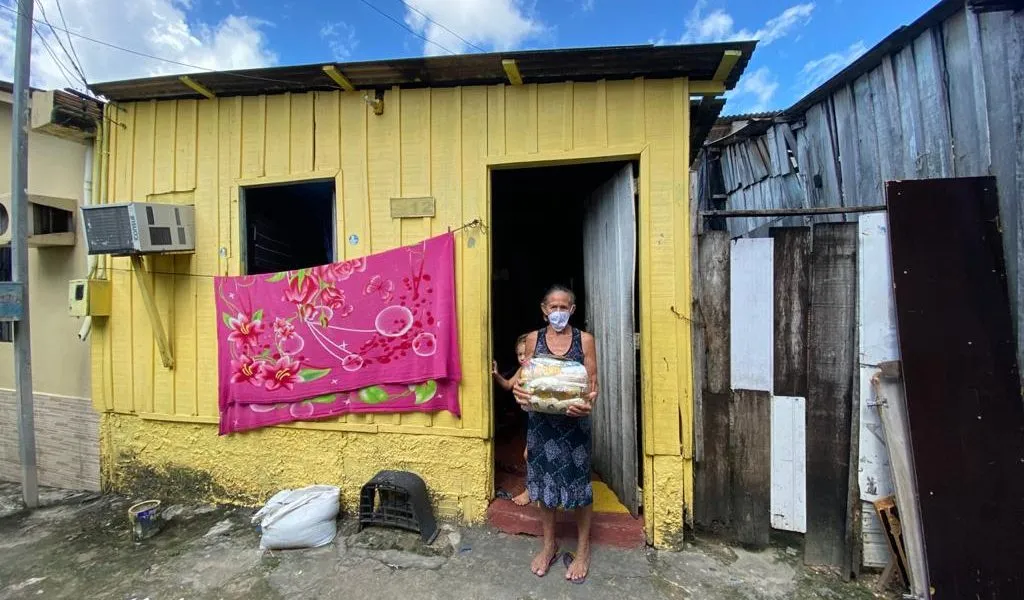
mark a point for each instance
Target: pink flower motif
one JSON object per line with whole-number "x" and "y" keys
{"x": 301, "y": 290}
{"x": 340, "y": 271}
{"x": 308, "y": 312}
{"x": 284, "y": 372}
{"x": 333, "y": 297}
{"x": 283, "y": 329}
{"x": 246, "y": 369}
{"x": 347, "y": 268}
{"x": 245, "y": 331}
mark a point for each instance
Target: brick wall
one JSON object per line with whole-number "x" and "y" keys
{"x": 67, "y": 441}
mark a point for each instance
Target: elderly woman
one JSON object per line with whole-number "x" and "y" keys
{"x": 558, "y": 446}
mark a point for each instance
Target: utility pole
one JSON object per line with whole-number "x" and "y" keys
{"x": 19, "y": 254}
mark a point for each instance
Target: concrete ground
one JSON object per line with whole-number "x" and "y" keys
{"x": 78, "y": 546}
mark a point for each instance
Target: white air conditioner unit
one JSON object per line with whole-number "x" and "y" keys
{"x": 139, "y": 228}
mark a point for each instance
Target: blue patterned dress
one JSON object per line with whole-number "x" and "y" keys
{"x": 558, "y": 447}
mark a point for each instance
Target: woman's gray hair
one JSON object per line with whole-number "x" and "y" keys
{"x": 559, "y": 288}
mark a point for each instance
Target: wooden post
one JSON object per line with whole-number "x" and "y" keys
{"x": 149, "y": 300}
{"x": 831, "y": 355}
{"x": 712, "y": 498}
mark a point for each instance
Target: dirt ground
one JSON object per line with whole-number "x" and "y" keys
{"x": 79, "y": 546}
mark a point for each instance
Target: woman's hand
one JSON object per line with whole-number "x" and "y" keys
{"x": 522, "y": 396}
{"x": 584, "y": 409}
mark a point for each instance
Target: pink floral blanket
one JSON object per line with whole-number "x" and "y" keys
{"x": 375, "y": 334}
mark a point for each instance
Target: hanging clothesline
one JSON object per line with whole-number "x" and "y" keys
{"x": 471, "y": 224}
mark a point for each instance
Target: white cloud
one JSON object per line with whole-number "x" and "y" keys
{"x": 780, "y": 26}
{"x": 720, "y": 26}
{"x": 340, "y": 38}
{"x": 753, "y": 93}
{"x": 587, "y": 5}
{"x": 162, "y": 28}
{"x": 818, "y": 71}
{"x": 491, "y": 24}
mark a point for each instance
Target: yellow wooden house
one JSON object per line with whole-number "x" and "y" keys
{"x": 527, "y": 143}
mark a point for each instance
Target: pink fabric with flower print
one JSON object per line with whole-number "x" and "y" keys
{"x": 293, "y": 345}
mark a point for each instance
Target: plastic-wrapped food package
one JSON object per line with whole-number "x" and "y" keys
{"x": 554, "y": 384}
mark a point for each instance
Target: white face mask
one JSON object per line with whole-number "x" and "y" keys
{"x": 559, "y": 319}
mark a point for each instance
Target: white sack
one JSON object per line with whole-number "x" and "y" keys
{"x": 303, "y": 518}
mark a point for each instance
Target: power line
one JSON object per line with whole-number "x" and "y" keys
{"x": 81, "y": 70}
{"x": 404, "y": 26}
{"x": 145, "y": 55}
{"x": 60, "y": 65}
{"x": 46, "y": 20}
{"x": 464, "y": 40}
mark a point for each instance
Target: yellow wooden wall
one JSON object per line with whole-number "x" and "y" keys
{"x": 438, "y": 142}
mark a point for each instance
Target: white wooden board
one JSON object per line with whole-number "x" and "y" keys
{"x": 789, "y": 464}
{"x": 893, "y": 409}
{"x": 752, "y": 314}
{"x": 878, "y": 338}
{"x": 878, "y": 343}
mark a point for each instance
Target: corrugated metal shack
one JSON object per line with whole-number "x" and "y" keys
{"x": 938, "y": 98}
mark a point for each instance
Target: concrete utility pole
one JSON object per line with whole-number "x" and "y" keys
{"x": 19, "y": 254}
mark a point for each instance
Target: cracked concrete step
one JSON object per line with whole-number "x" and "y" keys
{"x": 607, "y": 529}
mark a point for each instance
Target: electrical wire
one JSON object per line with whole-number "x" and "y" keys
{"x": 404, "y": 26}
{"x": 151, "y": 56}
{"x": 81, "y": 70}
{"x": 56, "y": 36}
{"x": 464, "y": 40}
{"x": 60, "y": 65}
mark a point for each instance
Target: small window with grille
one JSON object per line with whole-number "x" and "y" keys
{"x": 288, "y": 227}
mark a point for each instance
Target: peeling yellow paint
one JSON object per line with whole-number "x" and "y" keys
{"x": 667, "y": 512}
{"x": 250, "y": 467}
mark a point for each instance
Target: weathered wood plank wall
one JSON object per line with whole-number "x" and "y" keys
{"x": 943, "y": 105}
{"x": 830, "y": 339}
{"x": 778, "y": 316}
{"x": 712, "y": 502}
{"x": 751, "y": 376}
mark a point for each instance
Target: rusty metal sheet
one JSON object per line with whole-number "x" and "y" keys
{"x": 962, "y": 388}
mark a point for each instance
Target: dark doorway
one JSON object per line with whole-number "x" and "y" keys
{"x": 538, "y": 237}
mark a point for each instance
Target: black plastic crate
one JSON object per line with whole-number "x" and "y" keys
{"x": 398, "y": 499}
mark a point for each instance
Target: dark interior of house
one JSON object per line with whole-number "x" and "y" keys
{"x": 537, "y": 230}
{"x": 288, "y": 227}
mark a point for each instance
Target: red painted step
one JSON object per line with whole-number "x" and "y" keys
{"x": 607, "y": 529}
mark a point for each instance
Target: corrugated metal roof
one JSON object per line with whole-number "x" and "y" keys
{"x": 539, "y": 66}
{"x": 703, "y": 116}
{"x": 749, "y": 116}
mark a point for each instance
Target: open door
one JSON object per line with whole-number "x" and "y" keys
{"x": 609, "y": 259}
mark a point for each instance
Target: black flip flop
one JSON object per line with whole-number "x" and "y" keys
{"x": 567, "y": 558}
{"x": 554, "y": 559}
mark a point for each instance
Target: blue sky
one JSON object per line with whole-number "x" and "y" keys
{"x": 803, "y": 42}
